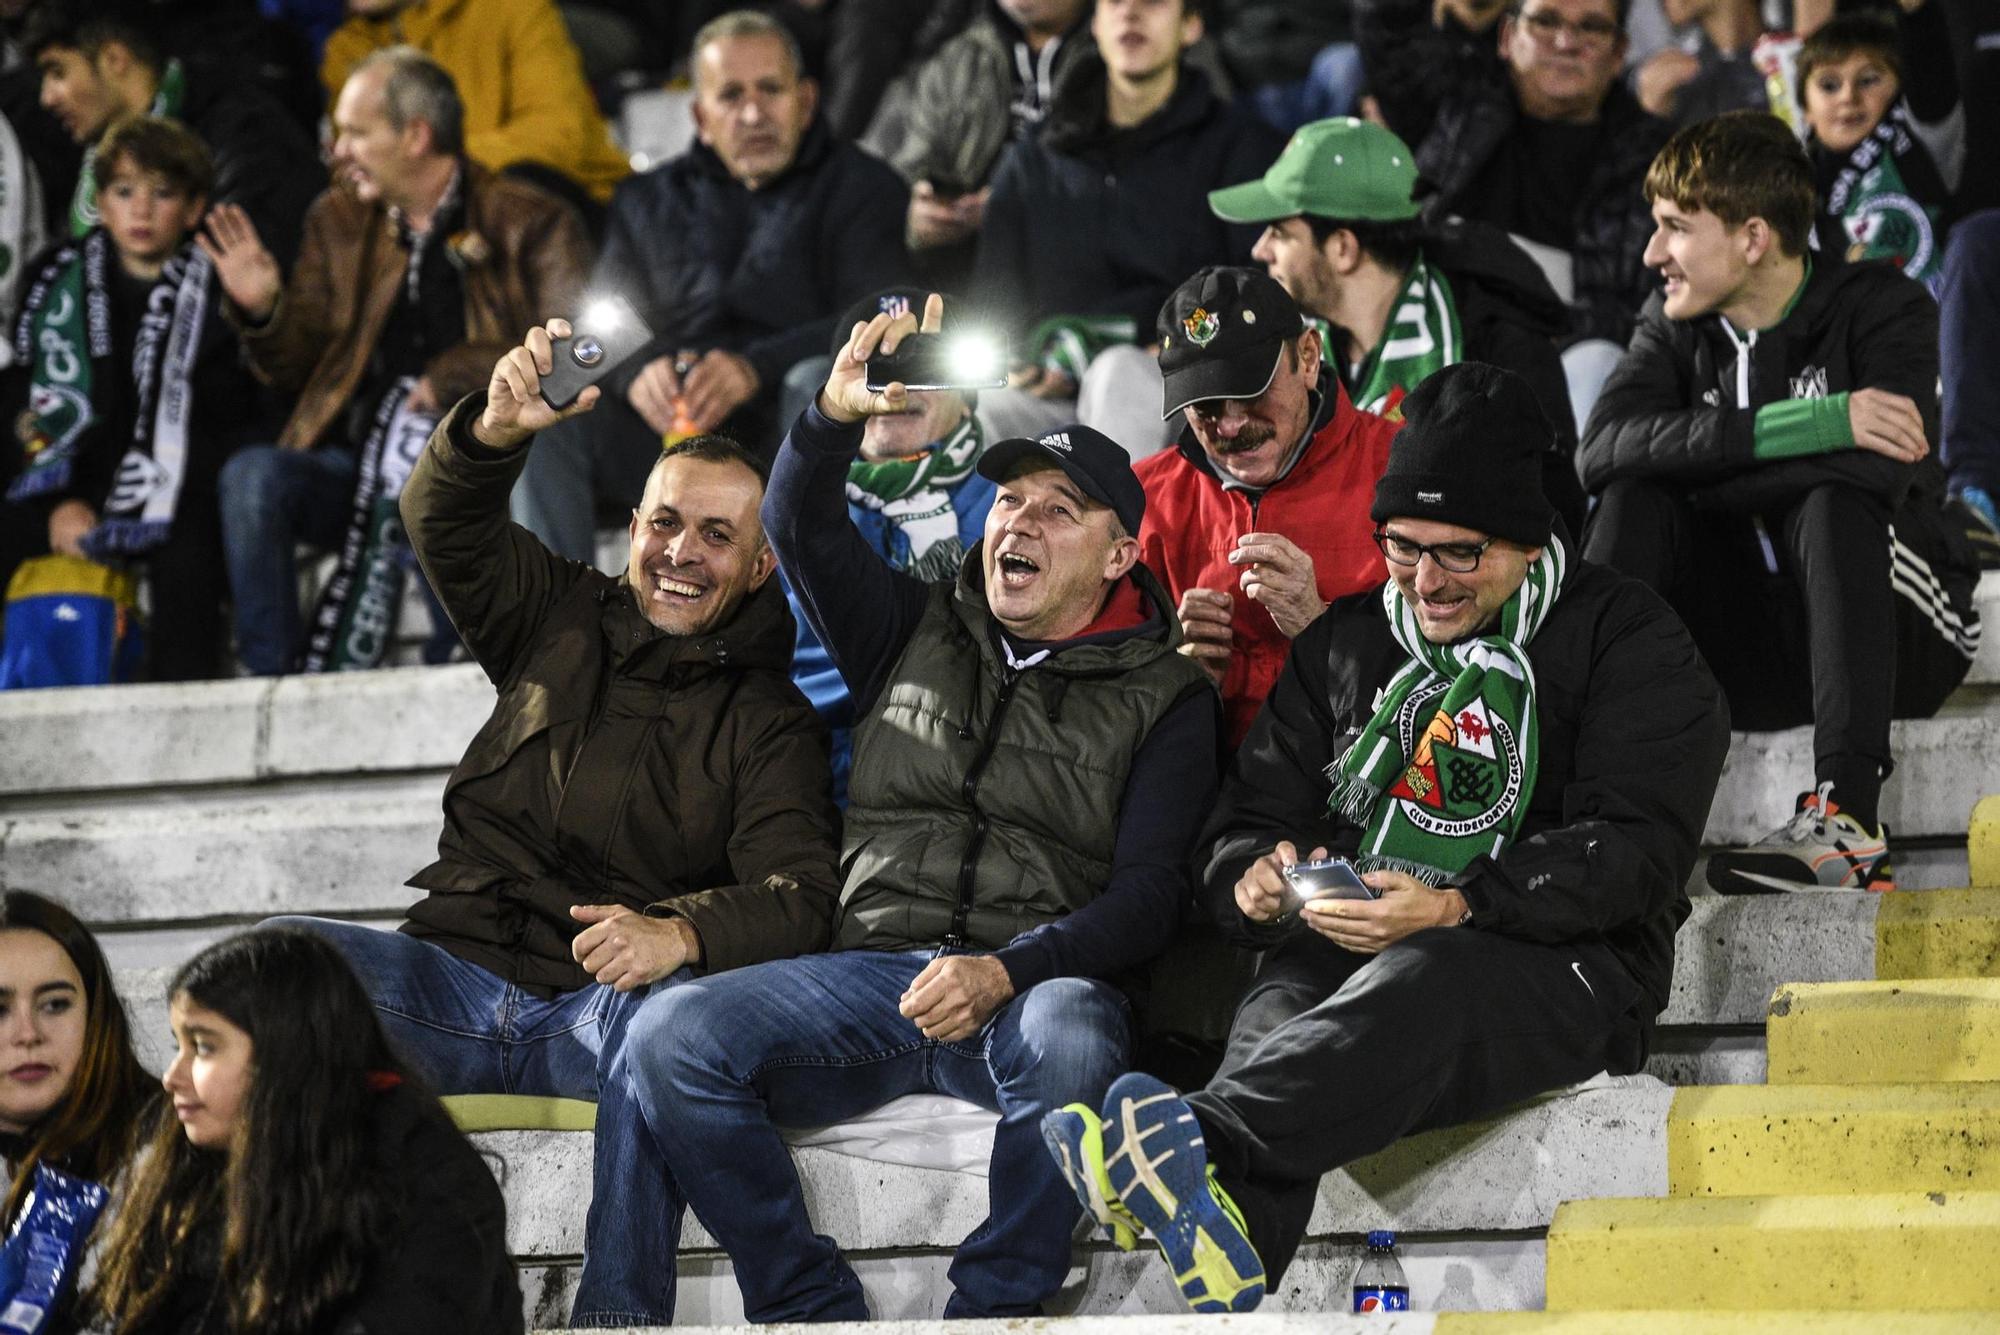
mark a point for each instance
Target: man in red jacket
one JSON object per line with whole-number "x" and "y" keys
{"x": 1259, "y": 517}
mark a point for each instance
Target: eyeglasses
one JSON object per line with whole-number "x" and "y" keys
{"x": 1460, "y": 558}
{"x": 1545, "y": 25}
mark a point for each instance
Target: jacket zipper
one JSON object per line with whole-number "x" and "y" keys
{"x": 967, "y": 867}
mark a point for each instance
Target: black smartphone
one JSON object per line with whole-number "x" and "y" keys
{"x": 941, "y": 361}
{"x": 605, "y": 334}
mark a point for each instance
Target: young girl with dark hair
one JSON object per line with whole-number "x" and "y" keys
{"x": 73, "y": 1097}
{"x": 305, "y": 1185}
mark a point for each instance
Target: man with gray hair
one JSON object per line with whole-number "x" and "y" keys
{"x": 737, "y": 254}
{"x": 417, "y": 269}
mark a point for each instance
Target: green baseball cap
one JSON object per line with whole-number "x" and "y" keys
{"x": 1341, "y": 168}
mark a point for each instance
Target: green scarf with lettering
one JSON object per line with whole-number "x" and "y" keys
{"x": 1886, "y": 194}
{"x": 1444, "y": 770}
{"x": 1422, "y": 337}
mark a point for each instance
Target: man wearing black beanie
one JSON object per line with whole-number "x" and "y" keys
{"x": 1514, "y": 752}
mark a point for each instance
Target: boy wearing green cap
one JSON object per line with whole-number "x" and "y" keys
{"x": 1344, "y": 235}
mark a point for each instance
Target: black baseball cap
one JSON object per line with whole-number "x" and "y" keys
{"x": 1099, "y": 465}
{"x": 1222, "y": 333}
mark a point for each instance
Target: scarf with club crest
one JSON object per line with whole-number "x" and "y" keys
{"x": 1444, "y": 770}
{"x": 1885, "y": 194}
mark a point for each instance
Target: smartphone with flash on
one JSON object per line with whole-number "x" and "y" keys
{"x": 603, "y": 336}
{"x": 1328, "y": 878}
{"x": 941, "y": 361}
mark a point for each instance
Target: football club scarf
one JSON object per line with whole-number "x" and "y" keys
{"x": 1885, "y": 195}
{"x": 1067, "y": 343}
{"x": 167, "y": 99}
{"x": 1444, "y": 770}
{"x": 913, "y": 494}
{"x": 68, "y": 309}
{"x": 354, "y": 625}
{"x": 1422, "y": 336}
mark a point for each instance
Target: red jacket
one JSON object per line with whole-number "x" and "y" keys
{"x": 1193, "y": 523}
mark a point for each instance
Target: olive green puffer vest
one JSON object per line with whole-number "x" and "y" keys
{"x": 984, "y": 799}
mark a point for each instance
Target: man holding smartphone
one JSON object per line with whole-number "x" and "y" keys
{"x": 1518, "y": 750}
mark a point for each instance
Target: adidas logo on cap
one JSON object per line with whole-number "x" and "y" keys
{"x": 1057, "y": 440}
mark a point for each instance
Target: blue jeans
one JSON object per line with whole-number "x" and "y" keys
{"x": 467, "y": 1031}
{"x": 1968, "y": 343}
{"x": 710, "y": 1069}
{"x": 273, "y": 499}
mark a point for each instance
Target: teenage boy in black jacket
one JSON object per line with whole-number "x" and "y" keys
{"x": 1762, "y": 457}
{"x": 1517, "y": 750}
{"x": 1094, "y": 222}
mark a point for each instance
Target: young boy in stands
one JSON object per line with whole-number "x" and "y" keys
{"x": 1762, "y": 457}
{"x": 1886, "y": 134}
{"x": 137, "y": 392}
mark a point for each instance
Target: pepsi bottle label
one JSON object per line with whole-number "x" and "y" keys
{"x": 1383, "y": 1299}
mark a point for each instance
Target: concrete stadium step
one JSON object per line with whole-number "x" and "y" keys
{"x": 103, "y": 739}
{"x": 411, "y": 720}
{"x": 1735, "y": 951}
{"x": 1985, "y": 669}
{"x": 1658, "y": 1322}
{"x": 1754, "y": 1140}
{"x": 1866, "y": 1253}
{"x": 1908, "y": 1032}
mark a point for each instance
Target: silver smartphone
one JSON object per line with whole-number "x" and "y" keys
{"x": 1328, "y": 878}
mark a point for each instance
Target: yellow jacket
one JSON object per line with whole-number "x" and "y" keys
{"x": 517, "y": 72}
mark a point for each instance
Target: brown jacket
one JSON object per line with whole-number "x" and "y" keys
{"x": 620, "y": 764}
{"x": 526, "y": 258}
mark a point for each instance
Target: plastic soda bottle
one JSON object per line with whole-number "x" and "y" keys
{"x": 1379, "y": 1285}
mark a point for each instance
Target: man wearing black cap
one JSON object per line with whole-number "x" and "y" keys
{"x": 1259, "y": 517}
{"x": 1032, "y": 762}
{"x": 1516, "y": 750}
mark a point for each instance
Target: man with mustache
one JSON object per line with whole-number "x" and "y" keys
{"x": 1031, "y": 763}
{"x": 1258, "y": 518}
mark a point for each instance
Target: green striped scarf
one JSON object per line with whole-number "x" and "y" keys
{"x": 1422, "y": 337}
{"x": 1444, "y": 770}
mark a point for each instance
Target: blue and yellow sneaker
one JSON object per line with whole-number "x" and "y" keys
{"x": 1145, "y": 1162}
{"x": 1075, "y": 1136}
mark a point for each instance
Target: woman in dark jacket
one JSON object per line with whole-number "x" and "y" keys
{"x": 305, "y": 1185}
{"x": 73, "y": 1097}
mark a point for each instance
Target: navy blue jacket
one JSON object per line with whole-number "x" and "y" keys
{"x": 709, "y": 263}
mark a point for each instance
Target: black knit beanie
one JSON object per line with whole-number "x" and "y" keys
{"x": 1470, "y": 453}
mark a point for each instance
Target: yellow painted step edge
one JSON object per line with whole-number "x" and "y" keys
{"x": 1982, "y": 842}
{"x": 1938, "y": 934}
{"x": 1887, "y": 1031}
{"x": 1683, "y": 1322}
{"x": 519, "y": 1112}
{"x": 1867, "y": 1253}
{"x": 1754, "y": 1140}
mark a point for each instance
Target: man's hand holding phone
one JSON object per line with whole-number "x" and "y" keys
{"x": 1405, "y": 907}
{"x": 1261, "y": 890}
{"x": 846, "y": 397}
{"x": 515, "y": 408}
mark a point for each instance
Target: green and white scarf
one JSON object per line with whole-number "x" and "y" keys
{"x": 914, "y": 495}
{"x": 1445, "y": 769}
{"x": 64, "y": 335}
{"x": 166, "y": 101}
{"x": 354, "y": 626}
{"x": 1886, "y": 194}
{"x": 1422, "y": 337}
{"x": 1067, "y": 343}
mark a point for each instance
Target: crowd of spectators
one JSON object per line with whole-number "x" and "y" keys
{"x": 1425, "y": 425}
